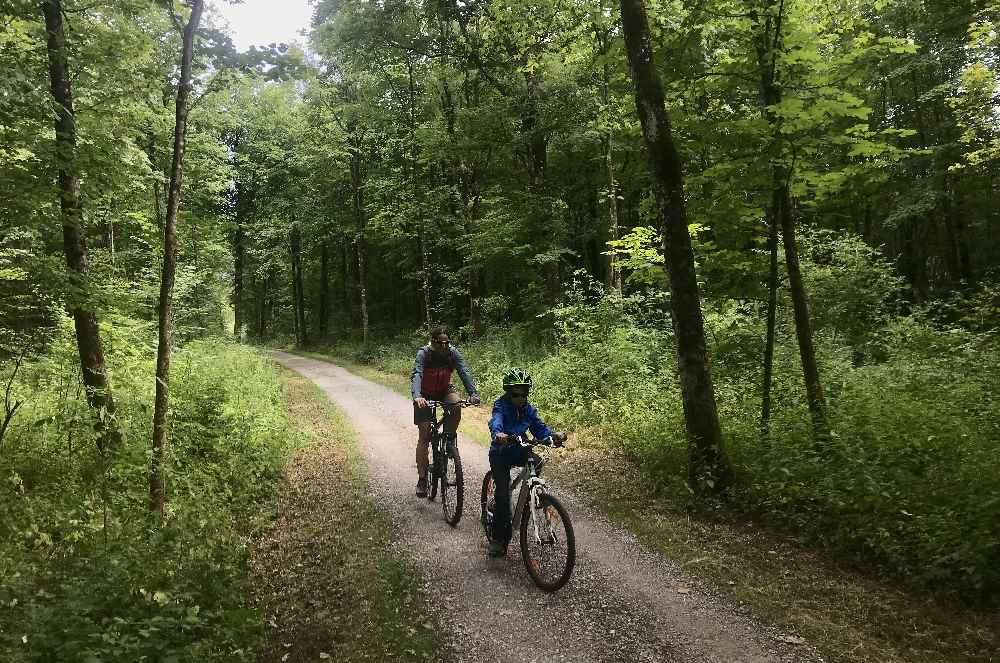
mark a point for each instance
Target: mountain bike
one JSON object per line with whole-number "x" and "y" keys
{"x": 445, "y": 468}
{"x": 548, "y": 545}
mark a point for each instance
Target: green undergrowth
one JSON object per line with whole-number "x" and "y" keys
{"x": 329, "y": 577}
{"x": 87, "y": 574}
{"x": 849, "y": 615}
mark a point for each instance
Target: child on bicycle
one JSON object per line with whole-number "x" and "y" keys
{"x": 512, "y": 418}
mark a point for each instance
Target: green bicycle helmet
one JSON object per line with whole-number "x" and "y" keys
{"x": 516, "y": 377}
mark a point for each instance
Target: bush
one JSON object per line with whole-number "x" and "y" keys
{"x": 88, "y": 576}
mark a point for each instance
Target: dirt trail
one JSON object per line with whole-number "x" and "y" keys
{"x": 622, "y": 603}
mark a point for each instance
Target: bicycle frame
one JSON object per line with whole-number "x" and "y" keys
{"x": 533, "y": 487}
{"x": 437, "y": 425}
{"x": 438, "y": 440}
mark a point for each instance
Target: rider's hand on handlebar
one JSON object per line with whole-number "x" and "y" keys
{"x": 420, "y": 402}
{"x": 558, "y": 439}
{"x": 474, "y": 399}
{"x": 501, "y": 438}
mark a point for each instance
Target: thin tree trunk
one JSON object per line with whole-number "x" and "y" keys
{"x": 803, "y": 327}
{"x": 324, "y": 289}
{"x": 425, "y": 271}
{"x": 357, "y": 175}
{"x": 772, "y": 307}
{"x": 300, "y": 303}
{"x": 411, "y": 165}
{"x": 613, "y": 277}
{"x": 298, "y": 315}
{"x": 347, "y": 263}
{"x": 157, "y": 495}
{"x": 536, "y": 142}
{"x": 153, "y": 163}
{"x": 293, "y": 247}
{"x": 708, "y": 468}
{"x": 239, "y": 261}
{"x": 88, "y": 334}
{"x": 768, "y": 43}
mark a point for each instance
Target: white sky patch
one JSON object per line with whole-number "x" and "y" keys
{"x": 263, "y": 22}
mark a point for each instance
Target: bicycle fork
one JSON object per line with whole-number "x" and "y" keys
{"x": 533, "y": 491}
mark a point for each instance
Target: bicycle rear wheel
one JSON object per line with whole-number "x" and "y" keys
{"x": 452, "y": 485}
{"x": 488, "y": 504}
{"x": 548, "y": 545}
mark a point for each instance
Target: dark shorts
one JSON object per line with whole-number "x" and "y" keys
{"x": 420, "y": 415}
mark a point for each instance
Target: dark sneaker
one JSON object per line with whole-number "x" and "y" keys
{"x": 497, "y": 549}
{"x": 422, "y": 487}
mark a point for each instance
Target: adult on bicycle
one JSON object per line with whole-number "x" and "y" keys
{"x": 512, "y": 417}
{"x": 431, "y": 380}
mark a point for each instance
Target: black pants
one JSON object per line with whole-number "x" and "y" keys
{"x": 502, "y": 459}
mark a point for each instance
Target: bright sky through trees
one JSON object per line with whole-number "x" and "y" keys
{"x": 262, "y": 22}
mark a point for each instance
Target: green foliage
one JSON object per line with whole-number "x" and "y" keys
{"x": 908, "y": 477}
{"x": 88, "y": 575}
{"x": 853, "y": 289}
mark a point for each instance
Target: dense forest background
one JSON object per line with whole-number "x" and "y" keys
{"x": 483, "y": 165}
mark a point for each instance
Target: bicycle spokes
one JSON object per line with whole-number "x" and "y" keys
{"x": 547, "y": 543}
{"x": 452, "y": 485}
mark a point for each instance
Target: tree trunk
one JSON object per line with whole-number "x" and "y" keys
{"x": 324, "y": 289}
{"x": 360, "y": 242}
{"x": 425, "y": 271}
{"x": 298, "y": 297}
{"x": 239, "y": 261}
{"x": 708, "y": 468}
{"x": 411, "y": 167}
{"x": 613, "y": 275}
{"x": 353, "y": 318}
{"x": 536, "y": 145}
{"x": 803, "y": 327}
{"x": 157, "y": 496}
{"x": 772, "y": 307}
{"x": 88, "y": 337}
{"x": 768, "y": 43}
{"x": 153, "y": 163}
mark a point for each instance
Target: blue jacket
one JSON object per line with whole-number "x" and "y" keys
{"x": 513, "y": 420}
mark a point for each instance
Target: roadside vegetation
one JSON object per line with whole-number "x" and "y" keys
{"x": 88, "y": 573}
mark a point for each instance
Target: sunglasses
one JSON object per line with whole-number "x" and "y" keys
{"x": 440, "y": 343}
{"x": 518, "y": 394}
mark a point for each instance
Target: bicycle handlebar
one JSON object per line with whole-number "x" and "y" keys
{"x": 465, "y": 403}
{"x": 549, "y": 441}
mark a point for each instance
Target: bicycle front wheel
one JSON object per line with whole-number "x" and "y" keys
{"x": 548, "y": 545}
{"x": 452, "y": 486}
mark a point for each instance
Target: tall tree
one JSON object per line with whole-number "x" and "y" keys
{"x": 157, "y": 495}
{"x": 781, "y": 216}
{"x": 708, "y": 467}
{"x": 88, "y": 336}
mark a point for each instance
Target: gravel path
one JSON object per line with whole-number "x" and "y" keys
{"x": 623, "y": 602}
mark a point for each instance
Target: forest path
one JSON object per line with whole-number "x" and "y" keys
{"x": 621, "y": 604}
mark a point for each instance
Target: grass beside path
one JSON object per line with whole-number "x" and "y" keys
{"x": 328, "y": 577}
{"x": 850, "y": 616}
